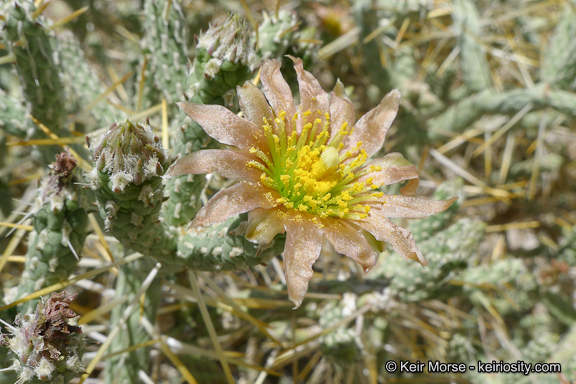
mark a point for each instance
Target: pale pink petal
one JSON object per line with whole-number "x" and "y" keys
{"x": 397, "y": 206}
{"x": 230, "y": 164}
{"x": 399, "y": 238}
{"x": 232, "y": 201}
{"x": 254, "y": 104}
{"x": 394, "y": 168}
{"x": 341, "y": 111}
{"x": 277, "y": 90}
{"x": 225, "y": 126}
{"x": 313, "y": 97}
{"x": 410, "y": 188}
{"x": 303, "y": 245}
{"x": 371, "y": 129}
{"x": 263, "y": 225}
{"x": 349, "y": 241}
{"x": 340, "y": 91}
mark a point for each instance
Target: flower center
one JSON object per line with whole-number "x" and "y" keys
{"x": 311, "y": 171}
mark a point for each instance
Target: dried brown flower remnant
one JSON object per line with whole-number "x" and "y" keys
{"x": 303, "y": 171}
{"x": 47, "y": 343}
{"x": 61, "y": 175}
{"x": 64, "y": 164}
{"x": 57, "y": 315}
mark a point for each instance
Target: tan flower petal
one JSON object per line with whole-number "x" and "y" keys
{"x": 399, "y": 238}
{"x": 313, "y": 97}
{"x": 263, "y": 225}
{"x": 394, "y": 169}
{"x": 397, "y": 206}
{"x": 303, "y": 245}
{"x": 229, "y": 164}
{"x": 225, "y": 126}
{"x": 277, "y": 90}
{"x": 232, "y": 201}
{"x": 371, "y": 129}
{"x": 254, "y": 104}
{"x": 341, "y": 111}
{"x": 410, "y": 188}
{"x": 339, "y": 90}
{"x": 350, "y": 242}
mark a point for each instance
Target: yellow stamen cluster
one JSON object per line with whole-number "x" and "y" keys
{"x": 311, "y": 172}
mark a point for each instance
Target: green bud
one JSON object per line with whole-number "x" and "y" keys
{"x": 225, "y": 57}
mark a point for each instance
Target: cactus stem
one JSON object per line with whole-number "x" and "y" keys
{"x": 69, "y": 282}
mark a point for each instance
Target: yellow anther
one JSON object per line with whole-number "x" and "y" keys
{"x": 346, "y": 196}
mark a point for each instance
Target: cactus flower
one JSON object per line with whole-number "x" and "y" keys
{"x": 306, "y": 171}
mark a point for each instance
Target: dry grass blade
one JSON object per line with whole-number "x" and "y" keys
{"x": 210, "y": 326}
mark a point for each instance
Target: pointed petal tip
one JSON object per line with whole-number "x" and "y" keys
{"x": 297, "y": 303}
{"x": 295, "y": 60}
{"x": 395, "y": 93}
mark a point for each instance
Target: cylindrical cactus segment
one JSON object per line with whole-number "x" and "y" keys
{"x": 166, "y": 33}
{"x": 129, "y": 163}
{"x": 60, "y": 229}
{"x": 36, "y": 62}
{"x": 223, "y": 247}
